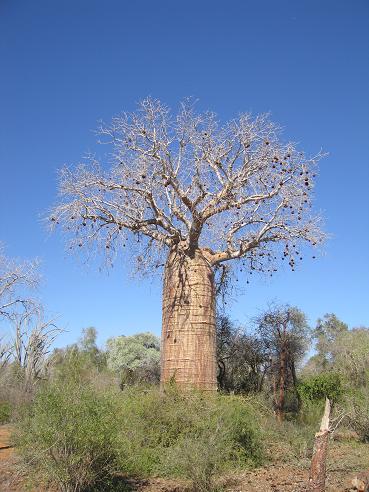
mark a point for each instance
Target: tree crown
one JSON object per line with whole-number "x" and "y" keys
{"x": 187, "y": 182}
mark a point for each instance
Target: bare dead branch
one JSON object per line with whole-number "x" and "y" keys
{"x": 187, "y": 182}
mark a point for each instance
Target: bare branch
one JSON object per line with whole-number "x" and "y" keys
{"x": 16, "y": 280}
{"x": 187, "y": 183}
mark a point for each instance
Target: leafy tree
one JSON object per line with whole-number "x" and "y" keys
{"x": 325, "y": 385}
{"x": 285, "y": 334}
{"x": 326, "y": 332}
{"x": 191, "y": 194}
{"x": 87, "y": 342}
{"x": 87, "y": 345}
{"x": 350, "y": 356}
{"x": 136, "y": 358}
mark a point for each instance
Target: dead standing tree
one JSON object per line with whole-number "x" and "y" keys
{"x": 16, "y": 279}
{"x": 194, "y": 195}
{"x": 32, "y": 334}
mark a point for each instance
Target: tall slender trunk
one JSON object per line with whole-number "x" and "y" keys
{"x": 282, "y": 382}
{"x": 294, "y": 380}
{"x": 188, "y": 330}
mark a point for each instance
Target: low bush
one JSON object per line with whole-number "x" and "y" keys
{"x": 5, "y": 412}
{"x": 325, "y": 385}
{"x": 190, "y": 435}
{"x": 75, "y": 437}
{"x": 66, "y": 436}
{"x": 357, "y": 408}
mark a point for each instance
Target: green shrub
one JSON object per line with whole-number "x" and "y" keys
{"x": 189, "y": 435}
{"x": 66, "y": 436}
{"x": 76, "y": 436}
{"x": 5, "y": 412}
{"x": 325, "y": 385}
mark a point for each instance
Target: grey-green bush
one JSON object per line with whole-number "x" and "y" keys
{"x": 76, "y": 436}
{"x": 357, "y": 407}
{"x": 67, "y": 436}
{"x": 193, "y": 436}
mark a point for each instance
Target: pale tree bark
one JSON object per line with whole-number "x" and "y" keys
{"x": 188, "y": 331}
{"x": 319, "y": 459}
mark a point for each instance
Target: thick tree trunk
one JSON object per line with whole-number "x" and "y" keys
{"x": 188, "y": 331}
{"x": 319, "y": 459}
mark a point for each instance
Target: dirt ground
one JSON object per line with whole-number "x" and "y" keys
{"x": 346, "y": 459}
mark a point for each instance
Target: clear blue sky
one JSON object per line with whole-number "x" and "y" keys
{"x": 66, "y": 64}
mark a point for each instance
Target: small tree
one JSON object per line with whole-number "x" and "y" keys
{"x": 350, "y": 356}
{"x": 285, "y": 333}
{"x": 136, "y": 358}
{"x": 325, "y": 333}
{"x": 191, "y": 194}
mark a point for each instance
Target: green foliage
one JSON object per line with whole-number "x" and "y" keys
{"x": 133, "y": 351}
{"x": 292, "y": 439}
{"x": 67, "y": 435}
{"x": 190, "y": 435}
{"x": 351, "y": 357}
{"x": 326, "y": 332}
{"x": 325, "y": 385}
{"x": 76, "y": 435}
{"x": 5, "y": 412}
{"x": 136, "y": 358}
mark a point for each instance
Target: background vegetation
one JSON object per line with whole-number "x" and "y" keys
{"x": 94, "y": 417}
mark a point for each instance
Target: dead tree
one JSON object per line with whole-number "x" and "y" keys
{"x": 5, "y": 352}
{"x": 189, "y": 194}
{"x": 318, "y": 462}
{"x": 16, "y": 279}
{"x": 33, "y": 336}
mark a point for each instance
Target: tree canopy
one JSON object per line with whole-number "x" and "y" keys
{"x": 186, "y": 181}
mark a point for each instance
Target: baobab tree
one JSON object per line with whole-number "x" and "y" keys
{"x": 189, "y": 194}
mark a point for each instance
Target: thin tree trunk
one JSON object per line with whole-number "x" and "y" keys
{"x": 294, "y": 379}
{"x": 221, "y": 374}
{"x": 282, "y": 382}
{"x": 318, "y": 461}
{"x": 188, "y": 331}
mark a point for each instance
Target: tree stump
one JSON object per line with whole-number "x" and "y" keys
{"x": 318, "y": 462}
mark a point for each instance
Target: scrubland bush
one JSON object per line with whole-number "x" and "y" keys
{"x": 12, "y": 392}
{"x": 75, "y": 436}
{"x": 5, "y": 412}
{"x": 191, "y": 435}
{"x": 292, "y": 439}
{"x": 324, "y": 385}
{"x": 67, "y": 434}
{"x": 357, "y": 408}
